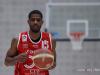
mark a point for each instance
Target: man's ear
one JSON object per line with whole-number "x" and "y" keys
{"x": 28, "y": 21}
{"x": 42, "y": 22}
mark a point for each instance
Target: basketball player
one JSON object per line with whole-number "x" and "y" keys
{"x": 22, "y": 48}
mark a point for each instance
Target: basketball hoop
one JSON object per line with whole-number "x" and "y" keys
{"x": 78, "y": 33}
{"x": 76, "y": 40}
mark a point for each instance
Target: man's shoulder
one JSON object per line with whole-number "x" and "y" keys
{"x": 24, "y": 32}
{"x": 18, "y": 35}
{"x": 48, "y": 33}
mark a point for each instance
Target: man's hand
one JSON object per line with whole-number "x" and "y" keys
{"x": 21, "y": 57}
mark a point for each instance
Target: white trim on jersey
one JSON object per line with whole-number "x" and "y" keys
{"x": 50, "y": 40}
{"x": 33, "y": 41}
{"x": 18, "y": 39}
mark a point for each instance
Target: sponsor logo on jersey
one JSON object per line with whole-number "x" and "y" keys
{"x": 35, "y": 46}
{"x": 25, "y": 46}
{"x": 24, "y": 38}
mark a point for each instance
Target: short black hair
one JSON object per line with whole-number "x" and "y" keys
{"x": 35, "y": 12}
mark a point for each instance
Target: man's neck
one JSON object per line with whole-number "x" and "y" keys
{"x": 34, "y": 35}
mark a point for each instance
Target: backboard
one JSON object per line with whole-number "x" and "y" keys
{"x": 59, "y": 15}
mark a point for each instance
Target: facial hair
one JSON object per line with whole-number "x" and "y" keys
{"x": 34, "y": 31}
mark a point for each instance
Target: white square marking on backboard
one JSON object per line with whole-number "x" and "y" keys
{"x": 68, "y": 22}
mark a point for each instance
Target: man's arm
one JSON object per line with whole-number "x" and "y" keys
{"x": 12, "y": 56}
{"x": 54, "y": 53}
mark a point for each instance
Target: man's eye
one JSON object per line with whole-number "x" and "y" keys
{"x": 38, "y": 20}
{"x": 32, "y": 19}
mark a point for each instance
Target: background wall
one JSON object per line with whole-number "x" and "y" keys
{"x": 13, "y": 19}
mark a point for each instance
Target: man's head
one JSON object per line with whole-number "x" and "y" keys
{"x": 35, "y": 20}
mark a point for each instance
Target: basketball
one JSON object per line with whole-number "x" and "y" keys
{"x": 43, "y": 59}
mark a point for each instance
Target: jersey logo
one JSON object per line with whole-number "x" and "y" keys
{"x": 29, "y": 61}
{"x": 25, "y": 46}
{"x": 24, "y": 38}
{"x": 45, "y": 44}
{"x": 31, "y": 64}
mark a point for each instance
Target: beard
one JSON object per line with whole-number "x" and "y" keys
{"x": 35, "y": 30}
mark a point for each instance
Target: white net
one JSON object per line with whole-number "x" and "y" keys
{"x": 76, "y": 40}
{"x": 76, "y": 44}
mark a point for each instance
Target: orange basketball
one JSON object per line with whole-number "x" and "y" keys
{"x": 43, "y": 59}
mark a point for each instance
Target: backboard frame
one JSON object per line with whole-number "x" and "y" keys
{"x": 68, "y": 4}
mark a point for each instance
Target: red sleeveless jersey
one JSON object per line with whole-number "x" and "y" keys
{"x": 25, "y": 44}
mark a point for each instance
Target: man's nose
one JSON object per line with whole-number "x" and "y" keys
{"x": 35, "y": 22}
